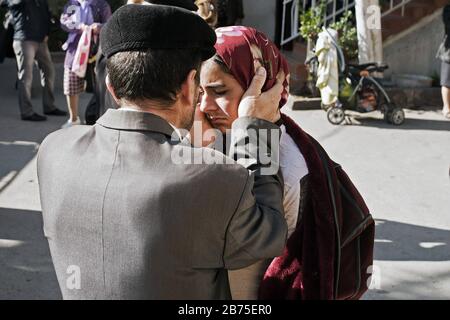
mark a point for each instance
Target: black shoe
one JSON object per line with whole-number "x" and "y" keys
{"x": 56, "y": 112}
{"x": 34, "y": 117}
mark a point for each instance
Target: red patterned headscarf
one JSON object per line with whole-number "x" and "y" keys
{"x": 243, "y": 49}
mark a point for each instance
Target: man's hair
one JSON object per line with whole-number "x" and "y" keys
{"x": 154, "y": 74}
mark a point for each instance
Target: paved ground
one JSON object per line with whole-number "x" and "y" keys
{"x": 403, "y": 173}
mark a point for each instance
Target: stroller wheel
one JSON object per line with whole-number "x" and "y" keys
{"x": 396, "y": 116}
{"x": 336, "y": 115}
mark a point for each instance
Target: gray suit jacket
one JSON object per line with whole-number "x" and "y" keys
{"x": 137, "y": 225}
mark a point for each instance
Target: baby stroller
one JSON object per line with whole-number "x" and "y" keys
{"x": 359, "y": 90}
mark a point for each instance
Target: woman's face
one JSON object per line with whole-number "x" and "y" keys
{"x": 220, "y": 96}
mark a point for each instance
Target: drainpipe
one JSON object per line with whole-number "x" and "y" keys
{"x": 368, "y": 24}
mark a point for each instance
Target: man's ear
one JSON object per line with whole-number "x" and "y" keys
{"x": 189, "y": 88}
{"x": 111, "y": 90}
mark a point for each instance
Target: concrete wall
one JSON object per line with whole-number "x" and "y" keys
{"x": 260, "y": 14}
{"x": 414, "y": 51}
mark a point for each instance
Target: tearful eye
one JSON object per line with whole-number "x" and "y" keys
{"x": 220, "y": 93}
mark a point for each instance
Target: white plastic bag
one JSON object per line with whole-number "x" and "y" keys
{"x": 81, "y": 58}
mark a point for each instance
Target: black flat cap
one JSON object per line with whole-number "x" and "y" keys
{"x": 137, "y": 27}
{"x": 186, "y": 4}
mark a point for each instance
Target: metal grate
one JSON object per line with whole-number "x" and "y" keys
{"x": 337, "y": 8}
{"x": 291, "y": 8}
{"x": 395, "y": 5}
{"x": 291, "y": 11}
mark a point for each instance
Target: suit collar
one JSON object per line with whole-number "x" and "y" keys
{"x": 135, "y": 121}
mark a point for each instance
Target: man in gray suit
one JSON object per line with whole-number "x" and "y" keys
{"x": 123, "y": 217}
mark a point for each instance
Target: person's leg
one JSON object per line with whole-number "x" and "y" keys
{"x": 47, "y": 72}
{"x": 446, "y": 101}
{"x": 73, "y": 86}
{"x": 25, "y": 54}
{"x": 72, "y": 103}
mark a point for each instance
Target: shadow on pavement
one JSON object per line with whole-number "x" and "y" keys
{"x": 396, "y": 241}
{"x": 25, "y": 261}
{"x": 409, "y": 124}
{"x": 19, "y": 140}
{"x": 15, "y": 157}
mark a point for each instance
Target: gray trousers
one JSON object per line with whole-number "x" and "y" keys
{"x": 27, "y": 52}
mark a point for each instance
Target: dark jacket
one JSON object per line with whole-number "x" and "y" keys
{"x": 31, "y": 18}
{"x": 6, "y": 38}
{"x": 229, "y": 12}
{"x": 446, "y": 18}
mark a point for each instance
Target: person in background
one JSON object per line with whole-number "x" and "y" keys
{"x": 77, "y": 15}
{"x": 445, "y": 66}
{"x": 32, "y": 20}
{"x": 230, "y": 12}
{"x": 207, "y": 9}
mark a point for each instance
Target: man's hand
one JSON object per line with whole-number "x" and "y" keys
{"x": 262, "y": 105}
{"x": 200, "y": 127}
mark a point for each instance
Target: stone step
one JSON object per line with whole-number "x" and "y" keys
{"x": 304, "y": 103}
{"x": 411, "y": 98}
{"x": 416, "y": 97}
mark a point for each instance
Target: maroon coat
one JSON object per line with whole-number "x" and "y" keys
{"x": 309, "y": 268}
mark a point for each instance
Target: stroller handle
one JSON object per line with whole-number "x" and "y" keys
{"x": 310, "y": 60}
{"x": 341, "y": 58}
